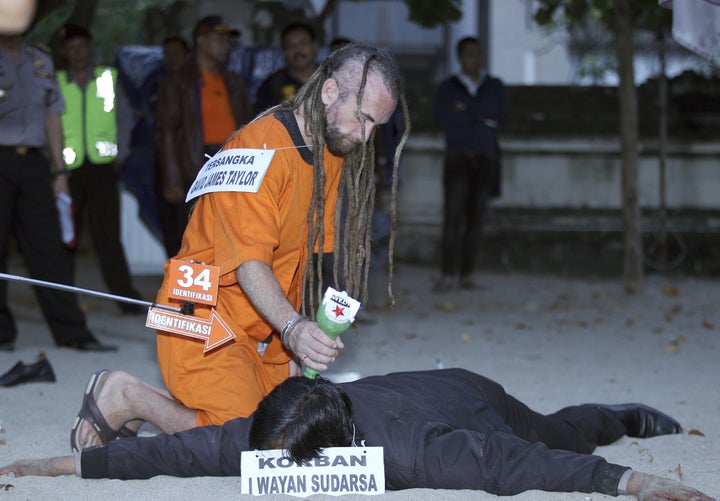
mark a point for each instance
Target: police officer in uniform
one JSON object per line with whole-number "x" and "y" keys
{"x": 96, "y": 129}
{"x": 30, "y": 107}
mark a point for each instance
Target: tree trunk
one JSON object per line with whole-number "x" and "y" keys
{"x": 633, "y": 258}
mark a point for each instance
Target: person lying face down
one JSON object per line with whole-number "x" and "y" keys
{"x": 447, "y": 429}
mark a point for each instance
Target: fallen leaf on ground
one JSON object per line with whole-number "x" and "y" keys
{"x": 520, "y": 326}
{"x": 576, "y": 323}
{"x": 678, "y": 471}
{"x": 446, "y": 306}
{"x": 2, "y": 442}
{"x": 708, "y": 325}
{"x": 466, "y": 338}
{"x": 410, "y": 335}
{"x": 673, "y": 346}
{"x": 696, "y": 432}
{"x": 671, "y": 291}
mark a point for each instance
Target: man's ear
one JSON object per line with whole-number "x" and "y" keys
{"x": 330, "y": 91}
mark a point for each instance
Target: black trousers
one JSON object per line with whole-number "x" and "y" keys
{"x": 95, "y": 191}
{"x": 174, "y": 216}
{"x": 27, "y": 208}
{"x": 578, "y": 428}
{"x": 467, "y": 183}
{"x": 173, "y": 220}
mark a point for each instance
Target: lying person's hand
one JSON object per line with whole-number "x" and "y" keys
{"x": 48, "y": 467}
{"x": 648, "y": 487}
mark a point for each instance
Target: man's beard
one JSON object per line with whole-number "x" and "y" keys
{"x": 338, "y": 144}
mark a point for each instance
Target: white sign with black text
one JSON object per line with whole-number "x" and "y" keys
{"x": 338, "y": 470}
{"x": 239, "y": 169}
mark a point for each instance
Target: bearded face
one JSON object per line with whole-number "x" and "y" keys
{"x": 347, "y": 126}
{"x": 338, "y": 142}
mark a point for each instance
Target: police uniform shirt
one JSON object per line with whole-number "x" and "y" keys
{"x": 28, "y": 93}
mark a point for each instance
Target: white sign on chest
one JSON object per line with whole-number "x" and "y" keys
{"x": 239, "y": 169}
{"x": 338, "y": 470}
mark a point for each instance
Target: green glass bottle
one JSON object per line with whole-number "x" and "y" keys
{"x": 334, "y": 316}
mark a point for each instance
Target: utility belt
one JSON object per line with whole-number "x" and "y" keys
{"x": 20, "y": 150}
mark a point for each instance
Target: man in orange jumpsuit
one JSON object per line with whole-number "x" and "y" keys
{"x": 260, "y": 243}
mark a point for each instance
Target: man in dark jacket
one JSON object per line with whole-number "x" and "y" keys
{"x": 300, "y": 48}
{"x": 449, "y": 429}
{"x": 199, "y": 107}
{"x": 468, "y": 107}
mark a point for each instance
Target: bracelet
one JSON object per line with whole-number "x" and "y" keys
{"x": 289, "y": 325}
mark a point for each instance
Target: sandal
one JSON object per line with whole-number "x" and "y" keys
{"x": 90, "y": 413}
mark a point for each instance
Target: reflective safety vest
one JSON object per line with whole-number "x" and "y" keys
{"x": 89, "y": 123}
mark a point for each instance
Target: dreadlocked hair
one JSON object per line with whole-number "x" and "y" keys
{"x": 349, "y": 66}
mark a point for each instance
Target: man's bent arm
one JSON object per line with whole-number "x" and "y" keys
{"x": 311, "y": 345}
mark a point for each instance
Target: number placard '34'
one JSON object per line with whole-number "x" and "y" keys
{"x": 193, "y": 282}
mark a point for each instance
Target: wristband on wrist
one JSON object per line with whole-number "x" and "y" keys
{"x": 623, "y": 483}
{"x": 61, "y": 172}
{"x": 290, "y": 325}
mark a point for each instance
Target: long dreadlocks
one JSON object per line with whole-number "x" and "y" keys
{"x": 349, "y": 67}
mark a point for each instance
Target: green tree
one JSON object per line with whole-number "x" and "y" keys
{"x": 622, "y": 18}
{"x": 112, "y": 22}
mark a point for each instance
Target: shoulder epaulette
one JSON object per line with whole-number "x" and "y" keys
{"x": 42, "y": 48}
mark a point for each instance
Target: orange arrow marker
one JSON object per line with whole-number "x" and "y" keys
{"x": 214, "y": 331}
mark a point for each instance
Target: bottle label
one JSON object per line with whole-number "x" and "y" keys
{"x": 339, "y": 307}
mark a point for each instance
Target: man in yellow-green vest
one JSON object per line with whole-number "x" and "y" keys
{"x": 96, "y": 126}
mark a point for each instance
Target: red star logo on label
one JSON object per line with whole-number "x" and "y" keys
{"x": 339, "y": 310}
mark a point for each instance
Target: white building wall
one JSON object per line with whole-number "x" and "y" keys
{"x": 520, "y": 52}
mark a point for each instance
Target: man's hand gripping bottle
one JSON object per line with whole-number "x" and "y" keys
{"x": 334, "y": 316}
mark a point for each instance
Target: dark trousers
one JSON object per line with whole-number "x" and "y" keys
{"x": 27, "y": 208}
{"x": 174, "y": 216}
{"x": 579, "y": 428}
{"x": 173, "y": 219}
{"x": 467, "y": 181}
{"x": 94, "y": 191}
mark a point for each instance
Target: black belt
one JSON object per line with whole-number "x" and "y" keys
{"x": 21, "y": 150}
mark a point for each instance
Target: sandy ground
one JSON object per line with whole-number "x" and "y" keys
{"x": 550, "y": 341}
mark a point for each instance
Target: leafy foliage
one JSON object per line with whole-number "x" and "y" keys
{"x": 575, "y": 14}
{"x": 430, "y": 13}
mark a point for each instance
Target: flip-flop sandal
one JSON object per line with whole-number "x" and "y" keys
{"x": 90, "y": 413}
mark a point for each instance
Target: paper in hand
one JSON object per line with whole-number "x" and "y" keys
{"x": 67, "y": 222}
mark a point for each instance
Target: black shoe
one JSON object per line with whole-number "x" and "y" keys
{"x": 7, "y": 346}
{"x": 642, "y": 421}
{"x": 90, "y": 345}
{"x": 40, "y": 371}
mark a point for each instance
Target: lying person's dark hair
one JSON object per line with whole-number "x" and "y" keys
{"x": 303, "y": 416}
